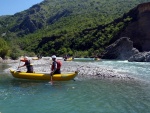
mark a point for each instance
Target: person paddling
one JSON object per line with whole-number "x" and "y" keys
{"x": 28, "y": 65}
{"x": 55, "y": 68}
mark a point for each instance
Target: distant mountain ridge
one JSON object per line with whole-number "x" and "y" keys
{"x": 50, "y": 11}
{"x": 68, "y": 26}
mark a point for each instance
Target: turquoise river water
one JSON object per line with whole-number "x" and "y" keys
{"x": 80, "y": 96}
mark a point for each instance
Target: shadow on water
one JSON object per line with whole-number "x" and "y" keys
{"x": 25, "y": 83}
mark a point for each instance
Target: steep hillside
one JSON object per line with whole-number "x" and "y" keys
{"x": 139, "y": 29}
{"x": 67, "y": 26}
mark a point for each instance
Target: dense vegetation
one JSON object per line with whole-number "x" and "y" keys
{"x": 3, "y": 48}
{"x": 75, "y": 27}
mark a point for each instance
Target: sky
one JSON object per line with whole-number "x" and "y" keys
{"x": 10, "y": 7}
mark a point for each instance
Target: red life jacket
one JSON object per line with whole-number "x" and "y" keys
{"x": 58, "y": 65}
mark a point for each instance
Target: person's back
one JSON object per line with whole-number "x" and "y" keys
{"x": 56, "y": 66}
{"x": 28, "y": 64}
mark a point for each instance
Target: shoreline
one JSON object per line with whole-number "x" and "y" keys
{"x": 85, "y": 69}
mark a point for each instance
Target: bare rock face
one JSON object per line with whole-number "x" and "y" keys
{"x": 139, "y": 29}
{"x": 122, "y": 49}
{"x": 137, "y": 49}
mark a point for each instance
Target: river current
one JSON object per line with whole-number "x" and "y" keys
{"x": 80, "y": 96}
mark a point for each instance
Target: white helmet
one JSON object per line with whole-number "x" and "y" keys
{"x": 26, "y": 57}
{"x": 54, "y": 56}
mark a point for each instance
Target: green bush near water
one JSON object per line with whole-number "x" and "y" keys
{"x": 4, "y": 49}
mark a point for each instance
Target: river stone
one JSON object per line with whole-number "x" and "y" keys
{"x": 140, "y": 57}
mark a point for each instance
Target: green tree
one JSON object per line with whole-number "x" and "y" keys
{"x": 4, "y": 49}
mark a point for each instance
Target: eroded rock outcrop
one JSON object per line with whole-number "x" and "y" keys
{"x": 139, "y": 28}
{"x": 137, "y": 48}
{"x": 122, "y": 49}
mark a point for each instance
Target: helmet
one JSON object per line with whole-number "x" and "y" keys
{"x": 26, "y": 57}
{"x": 54, "y": 56}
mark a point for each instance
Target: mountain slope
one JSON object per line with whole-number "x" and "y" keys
{"x": 66, "y": 26}
{"x": 48, "y": 12}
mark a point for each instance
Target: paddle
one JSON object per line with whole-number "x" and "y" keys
{"x": 18, "y": 66}
{"x": 51, "y": 74}
{"x": 51, "y": 79}
{"x": 53, "y": 68}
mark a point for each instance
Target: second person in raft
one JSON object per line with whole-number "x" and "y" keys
{"x": 56, "y": 65}
{"x": 55, "y": 68}
{"x": 28, "y": 65}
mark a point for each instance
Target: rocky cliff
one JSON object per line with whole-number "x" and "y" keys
{"x": 122, "y": 49}
{"x": 138, "y": 30}
{"x": 137, "y": 46}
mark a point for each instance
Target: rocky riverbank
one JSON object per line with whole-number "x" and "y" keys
{"x": 123, "y": 49}
{"x": 86, "y": 69}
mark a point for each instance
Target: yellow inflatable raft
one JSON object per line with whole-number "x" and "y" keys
{"x": 68, "y": 59}
{"x": 44, "y": 76}
{"x": 35, "y": 58}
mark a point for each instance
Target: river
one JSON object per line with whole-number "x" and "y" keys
{"x": 80, "y": 96}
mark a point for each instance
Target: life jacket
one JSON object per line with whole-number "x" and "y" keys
{"x": 29, "y": 66}
{"x": 58, "y": 65}
{"x": 27, "y": 62}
